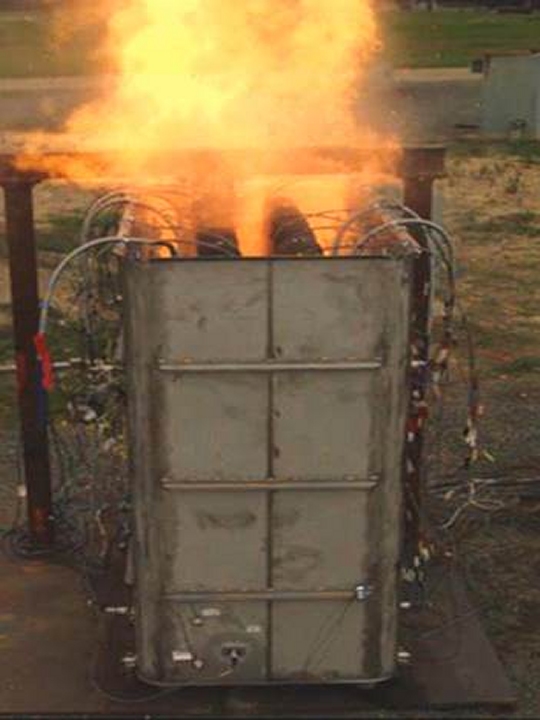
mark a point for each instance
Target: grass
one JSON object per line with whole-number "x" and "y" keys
{"x": 500, "y": 290}
{"x": 58, "y": 235}
{"x": 6, "y": 344}
{"x": 525, "y": 150}
{"x": 498, "y": 230}
{"x": 525, "y": 223}
{"x": 27, "y": 48}
{"x": 449, "y": 38}
{"x": 523, "y": 365}
{"x": 412, "y": 39}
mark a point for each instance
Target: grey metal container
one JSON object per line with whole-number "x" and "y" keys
{"x": 268, "y": 400}
{"x": 511, "y": 95}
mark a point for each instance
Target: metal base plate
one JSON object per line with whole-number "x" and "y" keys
{"x": 453, "y": 665}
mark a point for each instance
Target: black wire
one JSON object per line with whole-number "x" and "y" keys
{"x": 324, "y": 647}
{"x": 326, "y": 634}
{"x": 19, "y": 544}
{"x": 474, "y": 383}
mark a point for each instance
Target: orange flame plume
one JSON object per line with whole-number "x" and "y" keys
{"x": 267, "y": 75}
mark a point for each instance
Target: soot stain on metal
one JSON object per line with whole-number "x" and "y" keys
{"x": 225, "y": 521}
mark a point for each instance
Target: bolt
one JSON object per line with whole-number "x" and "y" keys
{"x": 118, "y": 610}
{"x": 404, "y": 657}
{"x": 129, "y": 660}
{"x": 362, "y": 592}
{"x": 182, "y": 656}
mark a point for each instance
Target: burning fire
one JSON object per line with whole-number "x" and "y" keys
{"x": 219, "y": 75}
{"x": 228, "y": 73}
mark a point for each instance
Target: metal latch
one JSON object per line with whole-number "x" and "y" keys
{"x": 363, "y": 591}
{"x": 182, "y": 656}
{"x": 129, "y": 660}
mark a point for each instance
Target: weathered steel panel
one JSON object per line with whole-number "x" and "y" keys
{"x": 199, "y": 640}
{"x": 205, "y": 534}
{"x": 212, "y": 311}
{"x": 319, "y": 641}
{"x": 246, "y": 571}
{"x": 305, "y": 543}
{"x": 323, "y": 421}
{"x": 327, "y": 310}
{"x": 214, "y": 427}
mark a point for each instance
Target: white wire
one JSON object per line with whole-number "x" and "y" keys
{"x": 364, "y": 213}
{"x": 95, "y": 208}
{"x": 412, "y": 219}
{"x": 105, "y": 203}
{"x": 81, "y": 250}
{"x": 404, "y": 222}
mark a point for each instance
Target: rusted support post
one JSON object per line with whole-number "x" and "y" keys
{"x": 32, "y": 399}
{"x": 420, "y": 168}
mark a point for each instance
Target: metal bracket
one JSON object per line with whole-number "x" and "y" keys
{"x": 268, "y": 366}
{"x": 363, "y": 591}
{"x": 129, "y": 660}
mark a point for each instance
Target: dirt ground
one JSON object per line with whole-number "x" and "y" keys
{"x": 492, "y": 209}
{"x": 493, "y": 212}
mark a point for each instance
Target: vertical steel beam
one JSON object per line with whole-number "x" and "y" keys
{"x": 32, "y": 399}
{"x": 421, "y": 167}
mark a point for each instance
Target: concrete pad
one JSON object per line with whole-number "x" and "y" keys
{"x": 46, "y": 640}
{"x": 53, "y": 651}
